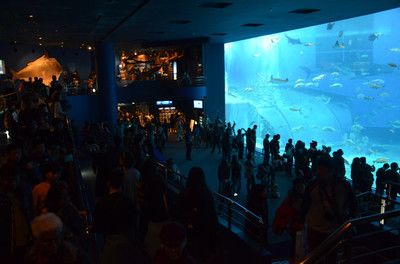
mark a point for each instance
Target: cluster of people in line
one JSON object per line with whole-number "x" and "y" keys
{"x": 47, "y": 219}
{"x": 43, "y": 216}
{"x": 319, "y": 186}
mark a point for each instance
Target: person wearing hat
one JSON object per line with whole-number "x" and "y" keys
{"x": 173, "y": 246}
{"x": 328, "y": 202}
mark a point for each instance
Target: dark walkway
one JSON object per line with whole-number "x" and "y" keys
{"x": 203, "y": 158}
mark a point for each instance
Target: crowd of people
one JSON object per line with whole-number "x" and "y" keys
{"x": 319, "y": 183}
{"x": 46, "y": 218}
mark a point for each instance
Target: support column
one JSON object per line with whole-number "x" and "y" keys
{"x": 214, "y": 72}
{"x": 107, "y": 85}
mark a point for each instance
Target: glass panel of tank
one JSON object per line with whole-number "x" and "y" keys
{"x": 337, "y": 83}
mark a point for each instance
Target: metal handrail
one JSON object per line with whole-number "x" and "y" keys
{"x": 230, "y": 205}
{"x": 334, "y": 239}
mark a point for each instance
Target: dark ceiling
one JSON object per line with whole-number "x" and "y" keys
{"x": 73, "y": 22}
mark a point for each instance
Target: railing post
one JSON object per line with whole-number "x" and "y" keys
{"x": 230, "y": 216}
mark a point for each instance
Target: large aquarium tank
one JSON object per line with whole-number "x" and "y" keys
{"x": 336, "y": 83}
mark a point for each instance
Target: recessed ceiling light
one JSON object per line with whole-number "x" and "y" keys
{"x": 304, "y": 11}
{"x": 89, "y": 47}
{"x": 40, "y": 44}
{"x": 252, "y": 25}
{"x": 218, "y": 5}
{"x": 30, "y": 16}
{"x": 181, "y": 22}
{"x": 40, "y": 38}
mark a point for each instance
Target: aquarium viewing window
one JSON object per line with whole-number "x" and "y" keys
{"x": 335, "y": 83}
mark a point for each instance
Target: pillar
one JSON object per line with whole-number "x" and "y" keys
{"x": 107, "y": 83}
{"x": 214, "y": 72}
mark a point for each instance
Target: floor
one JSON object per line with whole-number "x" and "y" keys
{"x": 203, "y": 158}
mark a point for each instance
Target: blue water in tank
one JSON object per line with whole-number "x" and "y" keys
{"x": 338, "y": 84}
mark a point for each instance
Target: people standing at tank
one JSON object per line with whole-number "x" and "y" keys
{"x": 338, "y": 163}
{"x": 367, "y": 178}
{"x": 274, "y": 147}
{"x": 328, "y": 202}
{"x": 266, "y": 148}
{"x": 289, "y": 153}
{"x": 393, "y": 178}
{"x": 240, "y": 143}
{"x": 380, "y": 179}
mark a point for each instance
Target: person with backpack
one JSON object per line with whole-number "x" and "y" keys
{"x": 328, "y": 202}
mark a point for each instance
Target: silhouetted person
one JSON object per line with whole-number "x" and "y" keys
{"x": 393, "y": 178}
{"x": 266, "y": 148}
{"x": 380, "y": 179}
{"x": 188, "y": 143}
{"x": 289, "y": 152}
{"x": 338, "y": 163}
{"x": 274, "y": 146}
{"x": 114, "y": 217}
{"x": 240, "y": 143}
{"x": 257, "y": 203}
{"x": 328, "y": 202}
{"x": 366, "y": 176}
{"x": 224, "y": 173}
{"x": 236, "y": 175}
{"x": 195, "y": 209}
{"x": 355, "y": 174}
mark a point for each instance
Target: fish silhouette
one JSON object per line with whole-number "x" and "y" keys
{"x": 293, "y": 41}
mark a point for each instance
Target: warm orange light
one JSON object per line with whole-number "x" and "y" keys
{"x": 43, "y": 67}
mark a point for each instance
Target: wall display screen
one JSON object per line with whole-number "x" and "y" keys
{"x": 198, "y": 104}
{"x": 336, "y": 83}
{"x": 164, "y": 103}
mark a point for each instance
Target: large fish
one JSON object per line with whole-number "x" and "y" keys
{"x": 293, "y": 41}
{"x": 43, "y": 67}
{"x": 318, "y": 78}
{"x": 278, "y": 80}
{"x": 330, "y": 25}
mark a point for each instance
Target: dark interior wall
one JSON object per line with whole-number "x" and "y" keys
{"x": 214, "y": 72}
{"x": 84, "y": 108}
{"x": 17, "y": 56}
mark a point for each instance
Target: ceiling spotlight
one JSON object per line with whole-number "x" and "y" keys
{"x": 15, "y": 42}
{"x": 40, "y": 44}
{"x": 89, "y": 47}
{"x": 30, "y": 16}
{"x": 93, "y": 90}
{"x": 40, "y": 38}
